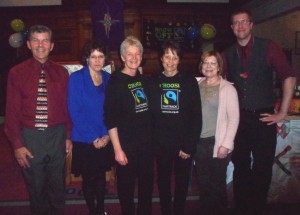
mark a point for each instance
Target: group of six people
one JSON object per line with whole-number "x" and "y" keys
{"x": 170, "y": 117}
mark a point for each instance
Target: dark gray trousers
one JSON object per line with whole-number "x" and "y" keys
{"x": 211, "y": 173}
{"x": 45, "y": 177}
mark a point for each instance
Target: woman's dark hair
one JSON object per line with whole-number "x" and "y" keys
{"x": 171, "y": 45}
{"x": 91, "y": 46}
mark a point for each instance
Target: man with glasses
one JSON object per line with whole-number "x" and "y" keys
{"x": 250, "y": 64}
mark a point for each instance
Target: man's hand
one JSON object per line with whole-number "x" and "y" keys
{"x": 69, "y": 147}
{"x": 271, "y": 119}
{"x": 21, "y": 155}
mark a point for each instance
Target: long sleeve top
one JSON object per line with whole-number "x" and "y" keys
{"x": 126, "y": 108}
{"x": 85, "y": 103}
{"x": 176, "y": 108}
{"x": 22, "y": 87}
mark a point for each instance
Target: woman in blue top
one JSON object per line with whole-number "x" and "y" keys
{"x": 91, "y": 155}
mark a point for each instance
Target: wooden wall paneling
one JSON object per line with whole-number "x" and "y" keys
{"x": 65, "y": 38}
{"x": 132, "y": 21}
{"x": 84, "y": 29}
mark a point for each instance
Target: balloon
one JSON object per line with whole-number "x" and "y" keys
{"x": 17, "y": 25}
{"x": 193, "y": 32}
{"x": 15, "y": 40}
{"x": 208, "y": 31}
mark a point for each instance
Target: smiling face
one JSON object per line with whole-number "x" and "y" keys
{"x": 132, "y": 58}
{"x": 40, "y": 45}
{"x": 170, "y": 61}
{"x": 96, "y": 60}
{"x": 242, "y": 26}
{"x": 210, "y": 67}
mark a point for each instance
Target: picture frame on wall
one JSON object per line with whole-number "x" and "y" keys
{"x": 297, "y": 43}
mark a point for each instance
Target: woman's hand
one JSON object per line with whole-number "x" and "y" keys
{"x": 101, "y": 142}
{"x": 222, "y": 152}
{"x": 121, "y": 157}
{"x": 183, "y": 155}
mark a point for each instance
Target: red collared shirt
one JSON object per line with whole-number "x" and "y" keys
{"x": 22, "y": 94}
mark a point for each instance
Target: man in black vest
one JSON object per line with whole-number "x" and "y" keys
{"x": 250, "y": 64}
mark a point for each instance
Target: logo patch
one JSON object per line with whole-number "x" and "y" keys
{"x": 169, "y": 99}
{"x": 140, "y": 98}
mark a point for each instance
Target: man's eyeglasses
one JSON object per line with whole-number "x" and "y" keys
{"x": 241, "y": 22}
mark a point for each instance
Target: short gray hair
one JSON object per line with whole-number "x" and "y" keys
{"x": 39, "y": 29}
{"x": 130, "y": 41}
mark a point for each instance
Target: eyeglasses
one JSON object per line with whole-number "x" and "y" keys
{"x": 241, "y": 22}
{"x": 100, "y": 57}
{"x": 212, "y": 64}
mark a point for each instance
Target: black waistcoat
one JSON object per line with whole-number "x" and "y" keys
{"x": 257, "y": 90}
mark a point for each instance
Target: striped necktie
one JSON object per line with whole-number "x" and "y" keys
{"x": 41, "y": 114}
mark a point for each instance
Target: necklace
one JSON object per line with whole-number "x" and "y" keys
{"x": 97, "y": 78}
{"x": 209, "y": 91}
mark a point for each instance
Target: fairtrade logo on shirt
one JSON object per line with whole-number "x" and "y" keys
{"x": 141, "y": 102}
{"x": 169, "y": 99}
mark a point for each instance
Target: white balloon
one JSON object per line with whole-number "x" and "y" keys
{"x": 15, "y": 40}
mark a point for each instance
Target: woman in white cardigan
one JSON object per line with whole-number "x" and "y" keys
{"x": 220, "y": 114}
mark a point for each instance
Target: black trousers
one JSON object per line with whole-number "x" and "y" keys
{"x": 45, "y": 177}
{"x": 140, "y": 167}
{"x": 252, "y": 176}
{"x": 211, "y": 174}
{"x": 182, "y": 169}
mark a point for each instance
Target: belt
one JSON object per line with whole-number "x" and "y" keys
{"x": 259, "y": 110}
